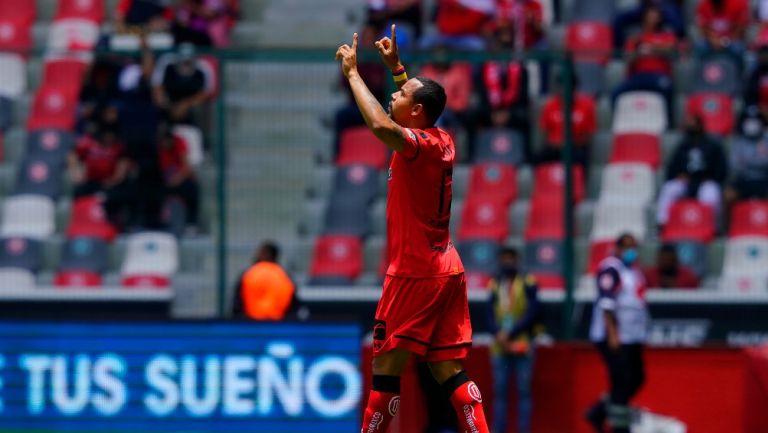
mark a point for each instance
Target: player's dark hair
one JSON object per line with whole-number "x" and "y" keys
{"x": 508, "y": 251}
{"x": 431, "y": 95}
{"x": 623, "y": 239}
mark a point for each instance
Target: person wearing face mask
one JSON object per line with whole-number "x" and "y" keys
{"x": 748, "y": 155}
{"x": 668, "y": 273}
{"x": 697, "y": 170}
{"x": 619, "y": 328}
{"x": 182, "y": 85}
{"x": 514, "y": 317}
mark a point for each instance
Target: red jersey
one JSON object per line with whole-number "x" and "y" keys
{"x": 645, "y": 61}
{"x": 174, "y": 158}
{"x": 419, "y": 207}
{"x": 723, "y": 23}
{"x": 100, "y": 161}
{"x": 584, "y": 120}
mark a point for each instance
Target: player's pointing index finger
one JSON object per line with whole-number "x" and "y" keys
{"x": 394, "y": 35}
{"x": 354, "y": 42}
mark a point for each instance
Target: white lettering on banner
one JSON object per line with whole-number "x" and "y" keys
{"x": 348, "y": 399}
{"x": 108, "y": 371}
{"x": 272, "y": 382}
{"x": 678, "y": 333}
{"x": 211, "y": 390}
{"x": 744, "y": 339}
{"x": 235, "y": 385}
{"x": 159, "y": 375}
{"x": 75, "y": 403}
{"x": 36, "y": 366}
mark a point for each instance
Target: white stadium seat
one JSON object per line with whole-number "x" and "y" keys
{"x": 628, "y": 182}
{"x": 744, "y": 284}
{"x": 614, "y": 217}
{"x": 746, "y": 255}
{"x": 193, "y": 138}
{"x": 73, "y": 35}
{"x": 13, "y": 75}
{"x": 27, "y": 215}
{"x": 15, "y": 279}
{"x": 150, "y": 255}
{"x": 640, "y": 112}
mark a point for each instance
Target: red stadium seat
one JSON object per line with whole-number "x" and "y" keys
{"x": 53, "y": 107}
{"x": 599, "y": 250}
{"x": 77, "y": 279}
{"x": 88, "y": 220}
{"x": 690, "y": 220}
{"x": 549, "y": 281}
{"x": 24, "y": 10}
{"x": 15, "y": 34}
{"x": 337, "y": 256}
{"x": 545, "y": 219}
{"x": 211, "y": 68}
{"x": 65, "y": 72}
{"x": 549, "y": 179}
{"x": 92, "y": 10}
{"x": 636, "y": 147}
{"x": 483, "y": 219}
{"x": 590, "y": 41}
{"x": 146, "y": 281}
{"x": 715, "y": 109}
{"x": 749, "y": 218}
{"x": 358, "y": 145}
{"x": 492, "y": 181}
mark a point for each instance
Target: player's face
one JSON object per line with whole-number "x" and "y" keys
{"x": 401, "y": 105}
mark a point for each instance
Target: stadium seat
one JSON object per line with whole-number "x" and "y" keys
{"x": 639, "y": 147}
{"x": 612, "y": 218}
{"x": 29, "y": 216}
{"x": 746, "y": 255}
{"x": 716, "y": 74}
{"x": 53, "y": 107}
{"x": 549, "y": 180}
{"x": 16, "y": 280}
{"x": 151, "y": 259}
{"x": 336, "y": 258}
{"x": 694, "y": 256}
{"x": 499, "y": 145}
{"x": 744, "y": 284}
{"x": 545, "y": 219}
{"x": 13, "y": 75}
{"x": 52, "y": 145}
{"x": 628, "y": 182}
{"x": 210, "y": 67}
{"x": 193, "y": 139}
{"x": 355, "y": 187}
{"x": 493, "y": 181}
{"x": 65, "y": 71}
{"x": 547, "y": 281}
{"x": 690, "y": 220}
{"x": 590, "y": 41}
{"x": 89, "y": 220}
{"x": 715, "y": 110}
{"x": 543, "y": 257}
{"x": 598, "y": 250}
{"x": 358, "y": 145}
{"x": 174, "y": 216}
{"x": 596, "y": 10}
{"x": 20, "y": 253}
{"x": 39, "y": 176}
{"x": 77, "y": 279}
{"x": 15, "y": 34}
{"x": 479, "y": 256}
{"x": 591, "y": 76}
{"x": 749, "y": 218}
{"x": 24, "y": 10}
{"x": 73, "y": 34}
{"x": 640, "y": 111}
{"x": 483, "y": 219}
{"x": 84, "y": 254}
{"x": 91, "y": 10}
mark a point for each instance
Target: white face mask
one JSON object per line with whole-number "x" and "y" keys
{"x": 752, "y": 127}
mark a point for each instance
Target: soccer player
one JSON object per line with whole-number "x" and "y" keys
{"x": 423, "y": 308}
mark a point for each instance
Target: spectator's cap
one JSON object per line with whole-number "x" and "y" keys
{"x": 186, "y": 52}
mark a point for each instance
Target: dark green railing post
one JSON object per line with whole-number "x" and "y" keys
{"x": 221, "y": 188}
{"x": 568, "y": 247}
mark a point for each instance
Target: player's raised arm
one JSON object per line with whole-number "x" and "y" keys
{"x": 390, "y": 55}
{"x": 375, "y": 117}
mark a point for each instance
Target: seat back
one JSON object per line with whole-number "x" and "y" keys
{"x": 53, "y": 107}
{"x": 598, "y": 250}
{"x": 193, "y": 139}
{"x": 65, "y": 71}
{"x": 38, "y": 176}
{"x": 50, "y": 144}
{"x": 84, "y": 254}
{"x": 337, "y": 256}
{"x": 543, "y": 256}
{"x": 89, "y": 220}
{"x": 628, "y": 182}
{"x": 690, "y": 220}
{"x": 493, "y": 181}
{"x": 640, "y": 111}
{"x": 643, "y": 148}
{"x": 73, "y": 34}
{"x": 150, "y": 254}
{"x": 77, "y": 279}
{"x": 590, "y": 41}
{"x": 91, "y": 10}
{"x": 545, "y": 220}
{"x": 499, "y": 145}
{"x": 16, "y": 280}
{"x": 715, "y": 110}
{"x": 591, "y": 76}
{"x": 749, "y": 218}
{"x": 716, "y": 74}
{"x": 550, "y": 179}
{"x": 13, "y": 75}
{"x": 21, "y": 253}
{"x": 743, "y": 284}
{"x": 29, "y": 216}
{"x": 358, "y": 145}
{"x": 746, "y": 255}
{"x": 23, "y": 10}
{"x": 483, "y": 219}
{"x": 615, "y": 217}
{"x": 596, "y": 10}
{"x": 15, "y": 34}
{"x": 479, "y": 256}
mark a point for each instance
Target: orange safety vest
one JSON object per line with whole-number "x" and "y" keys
{"x": 267, "y": 291}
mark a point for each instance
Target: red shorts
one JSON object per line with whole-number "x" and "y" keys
{"x": 426, "y": 316}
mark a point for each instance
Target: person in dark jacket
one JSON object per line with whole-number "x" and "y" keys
{"x": 697, "y": 169}
{"x": 513, "y": 317}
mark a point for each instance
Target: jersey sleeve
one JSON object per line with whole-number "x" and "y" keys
{"x": 608, "y": 284}
{"x": 420, "y": 145}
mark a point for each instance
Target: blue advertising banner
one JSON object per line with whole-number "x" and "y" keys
{"x": 179, "y": 377}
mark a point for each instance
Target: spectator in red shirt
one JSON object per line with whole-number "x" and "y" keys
{"x": 723, "y": 24}
{"x": 671, "y": 12}
{"x": 583, "y": 120}
{"x": 668, "y": 273}
{"x": 98, "y": 163}
{"x": 461, "y": 23}
{"x": 178, "y": 175}
{"x": 456, "y": 78}
{"x": 649, "y": 59}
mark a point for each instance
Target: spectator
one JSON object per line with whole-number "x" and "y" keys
{"x": 696, "y": 169}
{"x": 583, "y": 120}
{"x": 525, "y": 19}
{"x": 756, "y": 90}
{"x": 461, "y": 23}
{"x": 148, "y": 15}
{"x": 178, "y": 175}
{"x": 98, "y": 93}
{"x": 513, "y": 317}
{"x": 182, "y": 86}
{"x": 456, "y": 78}
{"x": 384, "y": 12}
{"x": 98, "y": 163}
{"x": 264, "y": 291}
{"x": 649, "y": 58}
{"x": 671, "y": 16}
{"x": 668, "y": 273}
{"x": 749, "y": 160}
{"x": 504, "y": 98}
{"x": 723, "y": 24}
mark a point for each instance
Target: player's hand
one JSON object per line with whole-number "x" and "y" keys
{"x": 348, "y": 56}
{"x": 388, "y": 50}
